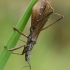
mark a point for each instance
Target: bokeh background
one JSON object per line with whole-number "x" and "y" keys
{"x": 52, "y": 51}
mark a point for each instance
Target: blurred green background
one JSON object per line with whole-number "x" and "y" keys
{"x": 52, "y": 51}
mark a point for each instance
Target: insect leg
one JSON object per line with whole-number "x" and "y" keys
{"x": 61, "y": 16}
{"x": 13, "y": 49}
{"x": 22, "y": 40}
{"x": 15, "y": 29}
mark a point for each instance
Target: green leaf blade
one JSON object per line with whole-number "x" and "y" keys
{"x": 5, "y": 54}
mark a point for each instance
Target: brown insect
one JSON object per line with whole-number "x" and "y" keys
{"x": 40, "y": 15}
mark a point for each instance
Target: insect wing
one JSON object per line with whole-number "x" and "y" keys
{"x": 40, "y": 16}
{"x": 39, "y": 11}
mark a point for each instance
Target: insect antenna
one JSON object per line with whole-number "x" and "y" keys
{"x": 26, "y": 66}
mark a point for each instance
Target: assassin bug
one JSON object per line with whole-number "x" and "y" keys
{"x": 40, "y": 15}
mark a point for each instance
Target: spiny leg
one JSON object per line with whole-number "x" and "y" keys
{"x": 61, "y": 16}
{"x": 15, "y": 48}
{"x": 15, "y": 29}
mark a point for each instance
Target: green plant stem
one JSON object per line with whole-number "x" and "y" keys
{"x": 5, "y": 54}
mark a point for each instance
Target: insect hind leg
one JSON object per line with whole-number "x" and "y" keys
{"x": 60, "y": 17}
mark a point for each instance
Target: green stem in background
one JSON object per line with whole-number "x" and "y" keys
{"x": 5, "y": 54}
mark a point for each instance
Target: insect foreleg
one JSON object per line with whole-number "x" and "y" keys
{"x": 15, "y": 48}
{"x": 61, "y": 16}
